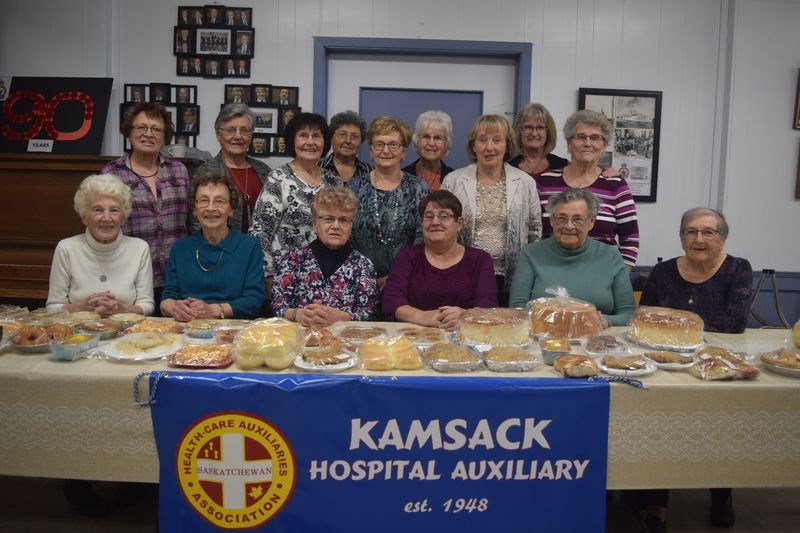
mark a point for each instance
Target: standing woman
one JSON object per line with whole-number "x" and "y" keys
{"x": 348, "y": 131}
{"x": 501, "y": 208}
{"x": 234, "y": 128}
{"x": 159, "y": 204}
{"x": 387, "y": 217}
{"x": 433, "y": 138}
{"x": 282, "y": 216}
{"x": 588, "y": 134}
{"x": 536, "y": 137}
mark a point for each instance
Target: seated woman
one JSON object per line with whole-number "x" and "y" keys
{"x": 716, "y": 286}
{"x": 590, "y": 270}
{"x": 102, "y": 270}
{"x": 327, "y": 280}
{"x": 431, "y": 284}
{"x": 218, "y": 272}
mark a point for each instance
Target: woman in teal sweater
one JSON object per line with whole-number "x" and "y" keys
{"x": 588, "y": 269}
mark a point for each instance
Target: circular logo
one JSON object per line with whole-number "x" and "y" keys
{"x": 235, "y": 469}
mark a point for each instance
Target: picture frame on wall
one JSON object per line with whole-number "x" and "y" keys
{"x": 260, "y": 96}
{"x": 184, "y": 94}
{"x": 237, "y": 94}
{"x": 242, "y": 67}
{"x": 161, "y": 93}
{"x": 185, "y": 140}
{"x": 135, "y": 93}
{"x": 636, "y": 120}
{"x": 796, "y": 124}
{"x": 278, "y": 145}
{"x": 266, "y": 120}
{"x": 244, "y": 40}
{"x": 213, "y": 42}
{"x": 285, "y": 95}
{"x": 214, "y": 15}
{"x": 213, "y": 68}
{"x": 188, "y": 120}
{"x": 259, "y": 146}
{"x": 286, "y": 114}
{"x": 244, "y": 17}
{"x": 184, "y": 41}
{"x": 191, "y": 66}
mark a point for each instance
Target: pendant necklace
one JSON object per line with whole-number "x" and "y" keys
{"x": 377, "y": 212}
{"x": 213, "y": 266}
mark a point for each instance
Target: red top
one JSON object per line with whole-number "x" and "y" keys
{"x": 249, "y": 187}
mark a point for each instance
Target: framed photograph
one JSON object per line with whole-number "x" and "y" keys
{"x": 286, "y": 114}
{"x": 214, "y": 15}
{"x": 190, "y": 66}
{"x": 244, "y": 17}
{"x": 160, "y": 92}
{"x": 213, "y": 68}
{"x": 185, "y": 140}
{"x": 260, "y": 96}
{"x": 278, "y": 145}
{"x": 244, "y": 41}
{"x": 636, "y": 119}
{"x": 184, "y": 16}
{"x": 184, "y": 41}
{"x": 266, "y": 120}
{"x": 188, "y": 120}
{"x": 282, "y": 95}
{"x": 184, "y": 94}
{"x": 241, "y": 68}
{"x": 259, "y": 146}
{"x": 135, "y": 93}
{"x": 173, "y": 114}
{"x": 213, "y": 42}
{"x": 796, "y": 124}
{"x": 196, "y": 16}
{"x": 237, "y": 94}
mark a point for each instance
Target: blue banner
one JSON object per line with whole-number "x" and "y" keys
{"x": 312, "y": 453}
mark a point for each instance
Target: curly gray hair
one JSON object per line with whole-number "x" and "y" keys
{"x": 573, "y": 195}
{"x": 102, "y": 185}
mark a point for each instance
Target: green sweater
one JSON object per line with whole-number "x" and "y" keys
{"x": 594, "y": 273}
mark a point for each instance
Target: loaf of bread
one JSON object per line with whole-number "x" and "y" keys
{"x": 274, "y": 342}
{"x": 564, "y": 317}
{"x": 388, "y": 354}
{"x": 715, "y": 368}
{"x": 664, "y": 327}
{"x": 575, "y": 366}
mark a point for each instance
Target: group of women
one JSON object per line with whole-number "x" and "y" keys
{"x": 326, "y": 239}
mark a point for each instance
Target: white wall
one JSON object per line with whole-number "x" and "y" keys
{"x": 739, "y": 154}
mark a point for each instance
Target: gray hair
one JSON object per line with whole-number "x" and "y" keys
{"x": 435, "y": 120}
{"x": 232, "y": 111}
{"x": 591, "y": 118}
{"x": 574, "y": 195}
{"x": 102, "y": 185}
{"x": 691, "y": 214}
{"x": 346, "y": 118}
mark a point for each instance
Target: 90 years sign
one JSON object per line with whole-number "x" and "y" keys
{"x": 55, "y": 115}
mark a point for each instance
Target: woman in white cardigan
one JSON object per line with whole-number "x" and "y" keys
{"x": 502, "y": 213}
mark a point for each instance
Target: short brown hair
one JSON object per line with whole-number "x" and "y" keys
{"x": 334, "y": 198}
{"x": 214, "y": 177}
{"x": 388, "y": 124}
{"x": 151, "y": 110}
{"x": 491, "y": 123}
{"x": 442, "y": 198}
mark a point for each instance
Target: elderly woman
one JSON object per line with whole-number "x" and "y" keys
{"x": 282, "y": 218}
{"x": 387, "y": 197}
{"x": 159, "y": 204}
{"x": 234, "y": 128}
{"x": 327, "y": 280}
{"x": 431, "y": 284}
{"x": 588, "y": 134}
{"x": 102, "y": 270}
{"x": 433, "y": 138}
{"x": 501, "y": 208}
{"x": 588, "y": 269}
{"x": 348, "y": 131}
{"x": 716, "y": 286}
{"x": 218, "y": 272}
{"x": 536, "y": 138}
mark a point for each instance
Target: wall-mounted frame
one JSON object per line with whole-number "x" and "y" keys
{"x": 188, "y": 120}
{"x": 278, "y": 145}
{"x": 191, "y": 66}
{"x": 214, "y": 15}
{"x": 796, "y": 124}
{"x": 283, "y": 95}
{"x": 259, "y": 146}
{"x": 244, "y": 40}
{"x": 237, "y": 94}
{"x": 636, "y": 119}
{"x": 260, "y": 96}
{"x": 186, "y": 140}
{"x": 213, "y": 68}
{"x": 244, "y": 17}
{"x": 184, "y": 94}
{"x": 184, "y": 40}
{"x": 213, "y": 42}
{"x": 135, "y": 93}
{"x": 286, "y": 114}
{"x": 161, "y": 92}
{"x": 266, "y": 120}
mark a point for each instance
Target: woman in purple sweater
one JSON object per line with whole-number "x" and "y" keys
{"x": 431, "y": 284}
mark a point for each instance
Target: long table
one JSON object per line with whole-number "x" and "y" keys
{"x": 76, "y": 420}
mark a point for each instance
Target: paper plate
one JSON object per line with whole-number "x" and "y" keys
{"x": 125, "y": 349}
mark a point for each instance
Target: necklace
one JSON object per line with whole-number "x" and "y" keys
{"x": 395, "y": 211}
{"x": 531, "y": 168}
{"x": 213, "y": 266}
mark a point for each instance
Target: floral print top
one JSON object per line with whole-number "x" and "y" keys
{"x": 282, "y": 217}
{"x": 353, "y": 288}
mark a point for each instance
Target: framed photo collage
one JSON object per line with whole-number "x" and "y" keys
{"x": 273, "y": 105}
{"x": 179, "y": 100}
{"x": 214, "y": 41}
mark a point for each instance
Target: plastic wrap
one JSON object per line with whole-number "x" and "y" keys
{"x": 328, "y": 355}
{"x": 355, "y": 333}
{"x": 274, "y": 342}
{"x": 785, "y": 361}
{"x": 667, "y": 360}
{"x": 144, "y": 346}
{"x": 450, "y": 357}
{"x": 510, "y": 359}
{"x": 381, "y": 353}
{"x": 152, "y": 326}
{"x": 626, "y": 365}
{"x": 103, "y": 328}
{"x": 717, "y": 369}
{"x": 494, "y": 327}
{"x": 575, "y": 366}
{"x": 127, "y": 319}
{"x": 73, "y": 347}
{"x": 202, "y": 356}
{"x": 424, "y": 336}
{"x": 666, "y": 329}
{"x": 562, "y": 316}
{"x": 597, "y": 345}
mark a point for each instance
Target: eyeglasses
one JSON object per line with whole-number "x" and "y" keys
{"x": 218, "y": 202}
{"x": 563, "y": 220}
{"x": 582, "y": 137}
{"x": 527, "y": 128}
{"x": 315, "y": 136}
{"x": 144, "y": 128}
{"x": 329, "y": 220}
{"x": 443, "y": 217}
{"x": 231, "y": 131}
{"x": 707, "y": 233}
{"x": 392, "y": 146}
{"x": 437, "y": 139}
{"x": 345, "y": 136}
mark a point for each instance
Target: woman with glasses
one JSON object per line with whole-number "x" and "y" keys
{"x": 501, "y": 207}
{"x": 716, "y": 286}
{"x": 387, "y": 217}
{"x": 282, "y": 216}
{"x": 590, "y": 270}
{"x": 217, "y": 272}
{"x": 234, "y": 128}
{"x": 348, "y": 131}
{"x": 327, "y": 281}
{"x": 433, "y": 138}
{"x": 536, "y": 138}
{"x": 433, "y": 283}
{"x": 159, "y": 203}
{"x": 588, "y": 134}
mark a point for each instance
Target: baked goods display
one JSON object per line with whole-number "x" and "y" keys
{"x": 79, "y": 317}
{"x": 423, "y": 335}
{"x": 31, "y": 335}
{"x": 494, "y": 326}
{"x": 575, "y": 366}
{"x": 667, "y": 360}
{"x": 33, "y": 338}
{"x": 104, "y": 328}
{"x": 785, "y": 361}
{"x": 509, "y": 359}
{"x": 552, "y": 348}
{"x": 449, "y": 357}
{"x": 200, "y": 328}
{"x": 144, "y": 346}
{"x": 661, "y": 327}
{"x": 360, "y": 333}
{"x": 719, "y": 351}
{"x": 329, "y": 355}
{"x": 273, "y": 342}
{"x": 717, "y": 368}
{"x": 202, "y": 356}
{"x": 626, "y": 365}
{"x": 73, "y": 347}
{"x": 563, "y": 317}
{"x": 603, "y": 344}
{"x": 127, "y": 318}
{"x": 152, "y": 326}
{"x": 389, "y": 354}
{"x": 226, "y": 335}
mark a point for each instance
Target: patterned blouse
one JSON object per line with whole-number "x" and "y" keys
{"x": 282, "y": 218}
{"x": 161, "y": 220}
{"x": 386, "y": 220}
{"x": 362, "y": 168}
{"x": 299, "y": 281}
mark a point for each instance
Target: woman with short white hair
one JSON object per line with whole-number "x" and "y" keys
{"x": 433, "y": 138}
